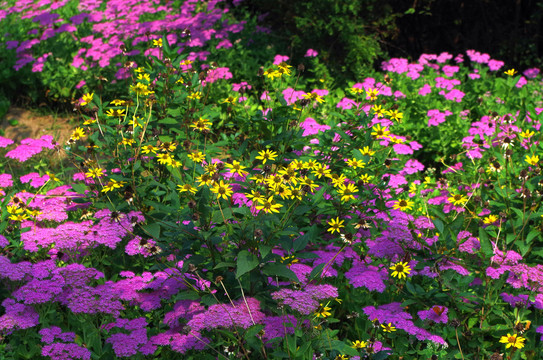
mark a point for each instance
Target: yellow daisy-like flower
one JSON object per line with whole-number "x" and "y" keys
{"x": 321, "y": 170}
{"x": 532, "y": 160}
{"x": 527, "y": 134}
{"x": 140, "y": 69}
{"x": 355, "y": 90}
{"x": 323, "y": 311}
{"x": 388, "y": 328}
{"x": 490, "y": 219}
{"x": 145, "y": 77}
{"x": 379, "y": 132}
{"x": 157, "y": 43}
{"x": 52, "y": 176}
{"x": 513, "y": 341}
{"x": 307, "y": 181}
{"x": 365, "y": 178}
{"x": 236, "y": 167}
{"x": 378, "y": 111}
{"x": 77, "y": 134}
{"x": 271, "y": 73}
{"x": 337, "y": 180}
{"x": 94, "y": 173}
{"x": 268, "y": 205}
{"x": 113, "y": 184}
{"x": 458, "y": 200}
{"x": 146, "y": 149}
{"x": 141, "y": 89}
{"x": 127, "y": 141}
{"x": 195, "y": 95}
{"x": 395, "y": 115}
{"x": 197, "y": 157}
{"x": 186, "y": 188}
{"x": 510, "y": 72}
{"x": 117, "y": 102}
{"x": 313, "y": 97}
{"x": 86, "y": 99}
{"x": 284, "y": 67}
{"x": 366, "y": 151}
{"x": 222, "y": 190}
{"x": 136, "y": 122}
{"x": 347, "y": 192}
{"x": 400, "y": 270}
{"x": 335, "y": 225}
{"x": 201, "y": 124}
{"x": 164, "y": 158}
{"x": 115, "y": 112}
{"x": 255, "y": 196}
{"x": 371, "y": 94}
{"x": 186, "y": 62}
{"x": 204, "y": 179}
{"x": 266, "y": 155}
{"x": 296, "y": 193}
{"x": 230, "y": 100}
{"x": 357, "y": 344}
{"x": 355, "y": 164}
{"x": 403, "y": 205}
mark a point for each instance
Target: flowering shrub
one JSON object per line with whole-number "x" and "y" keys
{"x": 201, "y": 214}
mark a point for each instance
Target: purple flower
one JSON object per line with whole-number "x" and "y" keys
{"x": 531, "y": 73}
{"x": 425, "y": 90}
{"x": 30, "y": 147}
{"x": 311, "y": 53}
{"x": 5, "y": 142}
{"x": 437, "y": 117}
{"x": 5, "y": 180}
{"x": 369, "y": 276}
{"x": 278, "y": 59}
{"x": 62, "y": 351}
{"x": 495, "y": 65}
{"x": 436, "y": 313}
{"x": 311, "y": 127}
{"x": 17, "y": 316}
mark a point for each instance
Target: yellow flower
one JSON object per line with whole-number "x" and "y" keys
{"x": 78, "y": 133}
{"x": 222, "y": 190}
{"x": 341, "y": 357}
{"x": 115, "y": 112}
{"x": 365, "y": 178}
{"x": 157, "y": 43}
{"x": 255, "y": 196}
{"x": 146, "y": 149}
{"x": 164, "y": 158}
{"x": 18, "y": 217}
{"x": 204, "y": 179}
{"x": 458, "y": 199}
{"x": 284, "y": 67}
{"x": 113, "y": 184}
{"x": 186, "y": 62}
{"x": 372, "y": 94}
{"x": 388, "y": 328}
{"x": 136, "y": 122}
{"x": 510, "y": 72}
{"x": 201, "y": 124}
{"x": 533, "y": 160}
{"x": 403, "y": 205}
{"x": 127, "y": 141}
{"x": 86, "y": 99}
{"x": 311, "y": 164}
{"x": 195, "y": 95}
{"x": 268, "y": 205}
{"x": 323, "y": 311}
{"x": 347, "y": 192}
{"x": 359, "y": 344}
{"x": 236, "y": 167}
{"x": 356, "y": 90}
{"x": 266, "y": 155}
{"x": 379, "y": 132}
{"x": 140, "y": 89}
{"x": 197, "y": 157}
{"x": 401, "y": 269}
{"x": 117, "y": 102}
{"x": 355, "y": 164}
{"x": 271, "y": 73}
{"x": 94, "y": 172}
{"x": 366, "y": 151}
{"x": 335, "y": 225}
{"x": 527, "y": 134}
{"x": 321, "y": 170}
{"x": 378, "y": 111}
{"x": 313, "y": 97}
{"x": 139, "y": 70}
{"x": 490, "y": 219}
{"x": 513, "y": 341}
{"x": 186, "y": 187}
{"x": 52, "y": 176}
{"x": 145, "y": 77}
{"x": 296, "y": 193}
{"x": 395, "y": 115}
{"x": 230, "y": 100}
{"x": 338, "y": 180}
{"x": 307, "y": 181}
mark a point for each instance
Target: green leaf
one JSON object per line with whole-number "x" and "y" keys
{"x": 79, "y": 188}
{"x": 301, "y": 242}
{"x": 245, "y": 263}
{"x": 486, "y": 245}
{"x": 316, "y": 272}
{"x": 153, "y": 230}
{"x": 278, "y": 269}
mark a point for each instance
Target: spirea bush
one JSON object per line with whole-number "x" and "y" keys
{"x": 203, "y": 216}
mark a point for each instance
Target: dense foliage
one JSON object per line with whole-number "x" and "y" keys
{"x": 204, "y": 211}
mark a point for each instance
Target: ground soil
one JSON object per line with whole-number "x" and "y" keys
{"x": 31, "y": 124}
